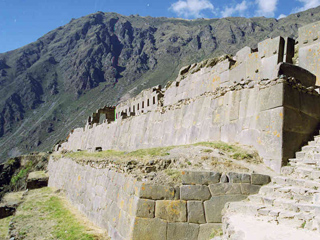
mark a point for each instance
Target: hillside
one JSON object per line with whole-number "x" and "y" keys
{"x": 50, "y": 86}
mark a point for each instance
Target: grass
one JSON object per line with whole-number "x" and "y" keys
{"x": 141, "y": 153}
{"x": 303, "y": 224}
{"x": 207, "y": 150}
{"x": 232, "y": 150}
{"x": 45, "y": 215}
{"x": 235, "y": 151}
{"x": 4, "y": 227}
{"x": 174, "y": 174}
{"x": 67, "y": 226}
{"x": 22, "y": 173}
{"x": 216, "y": 232}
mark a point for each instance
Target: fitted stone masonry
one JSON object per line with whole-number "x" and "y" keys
{"x": 130, "y": 209}
{"x": 247, "y": 99}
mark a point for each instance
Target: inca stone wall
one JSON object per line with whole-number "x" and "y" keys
{"x": 135, "y": 210}
{"x": 250, "y": 99}
{"x": 235, "y": 116}
{"x": 309, "y": 48}
{"x": 250, "y": 114}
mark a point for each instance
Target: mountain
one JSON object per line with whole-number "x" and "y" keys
{"x": 50, "y": 86}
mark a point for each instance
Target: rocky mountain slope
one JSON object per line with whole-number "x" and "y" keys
{"x": 50, "y": 86}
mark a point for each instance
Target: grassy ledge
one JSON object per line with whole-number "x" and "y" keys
{"x": 234, "y": 151}
{"x": 44, "y": 215}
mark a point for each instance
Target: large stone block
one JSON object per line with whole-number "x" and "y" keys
{"x": 145, "y": 208}
{"x": 194, "y": 192}
{"x": 304, "y": 76}
{"x": 155, "y": 192}
{"x": 125, "y": 224}
{"x": 214, "y": 206}
{"x": 271, "y": 47}
{"x": 260, "y": 179}
{"x": 253, "y": 66}
{"x": 249, "y": 189}
{"x": 243, "y": 54}
{"x": 309, "y": 34}
{"x": 195, "y": 212}
{"x": 271, "y": 97}
{"x": 207, "y": 230}
{"x": 225, "y": 189}
{"x": 204, "y": 178}
{"x": 182, "y": 231}
{"x": 237, "y": 73}
{"x": 172, "y": 211}
{"x": 308, "y": 59}
{"x": 239, "y": 177}
{"x": 149, "y": 229}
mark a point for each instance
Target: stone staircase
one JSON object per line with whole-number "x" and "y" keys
{"x": 287, "y": 208}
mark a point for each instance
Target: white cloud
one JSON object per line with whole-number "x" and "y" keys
{"x": 307, "y": 4}
{"x": 281, "y": 16}
{"x": 240, "y": 8}
{"x": 267, "y": 7}
{"x": 191, "y": 8}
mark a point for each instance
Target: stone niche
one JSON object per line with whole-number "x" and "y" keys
{"x": 130, "y": 209}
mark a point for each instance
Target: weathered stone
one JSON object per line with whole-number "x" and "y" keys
{"x": 149, "y": 229}
{"x": 206, "y": 231}
{"x": 214, "y": 206}
{"x": 182, "y": 231}
{"x": 248, "y": 189}
{"x": 37, "y": 179}
{"x": 239, "y": 177}
{"x": 203, "y": 178}
{"x": 156, "y": 192}
{"x": 225, "y": 189}
{"x": 172, "y": 211}
{"x": 260, "y": 179}
{"x": 224, "y": 178}
{"x": 145, "y": 208}
{"x": 304, "y": 76}
{"x": 194, "y": 192}
{"x": 195, "y": 212}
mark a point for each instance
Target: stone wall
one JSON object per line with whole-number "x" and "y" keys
{"x": 248, "y": 64}
{"x": 237, "y": 114}
{"x": 309, "y": 48}
{"x": 247, "y": 99}
{"x": 302, "y": 117}
{"x": 147, "y": 100}
{"x": 135, "y": 210}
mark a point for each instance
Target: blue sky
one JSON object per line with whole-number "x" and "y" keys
{"x": 24, "y": 21}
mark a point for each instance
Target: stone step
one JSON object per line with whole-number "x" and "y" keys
{"x": 292, "y": 181}
{"x": 243, "y": 227}
{"x": 306, "y": 173}
{"x": 309, "y": 148}
{"x": 300, "y": 154}
{"x": 285, "y": 204}
{"x": 299, "y": 194}
{"x": 306, "y": 163}
{"x": 271, "y": 214}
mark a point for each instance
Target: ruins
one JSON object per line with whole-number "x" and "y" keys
{"x": 261, "y": 97}
{"x": 258, "y": 97}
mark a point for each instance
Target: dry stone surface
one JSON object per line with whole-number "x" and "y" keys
{"x": 287, "y": 208}
{"x": 131, "y": 209}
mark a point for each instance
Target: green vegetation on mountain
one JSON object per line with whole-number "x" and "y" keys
{"x": 50, "y": 86}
